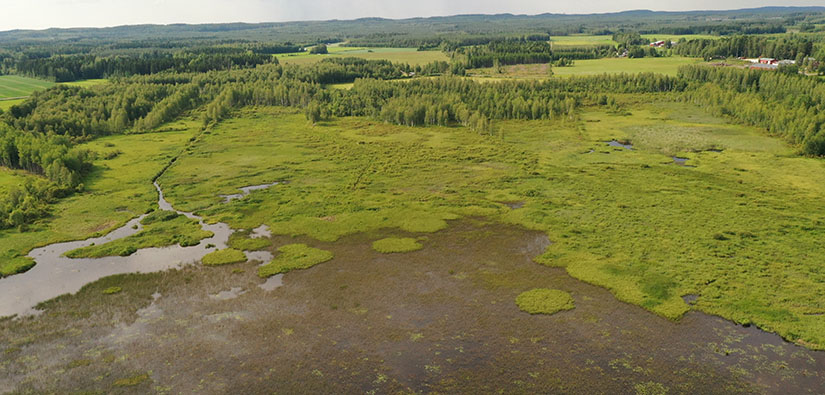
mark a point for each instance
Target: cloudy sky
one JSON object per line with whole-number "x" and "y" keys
{"x": 39, "y": 14}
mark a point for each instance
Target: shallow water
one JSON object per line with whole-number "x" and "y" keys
{"x": 246, "y": 191}
{"x": 55, "y": 275}
{"x": 229, "y": 294}
{"x": 261, "y": 232}
{"x": 614, "y": 143}
{"x": 272, "y": 283}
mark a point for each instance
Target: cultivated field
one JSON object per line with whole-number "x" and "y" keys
{"x": 398, "y": 55}
{"x": 663, "y": 65}
{"x": 12, "y": 86}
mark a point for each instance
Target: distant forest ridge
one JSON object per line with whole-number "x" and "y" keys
{"x": 412, "y": 31}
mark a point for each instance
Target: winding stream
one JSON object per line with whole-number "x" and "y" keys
{"x": 55, "y": 275}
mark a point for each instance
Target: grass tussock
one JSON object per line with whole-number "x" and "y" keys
{"x": 544, "y": 301}
{"x": 242, "y": 241}
{"x": 396, "y": 244}
{"x": 226, "y": 256}
{"x": 131, "y": 381}
{"x": 294, "y": 257}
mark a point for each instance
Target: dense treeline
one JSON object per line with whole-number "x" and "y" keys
{"x": 341, "y": 70}
{"x": 62, "y": 68}
{"x": 722, "y": 29}
{"x": 523, "y": 51}
{"x": 790, "y": 106}
{"x": 791, "y": 47}
{"x": 50, "y": 156}
{"x": 507, "y": 52}
{"x": 434, "y": 101}
{"x": 81, "y": 113}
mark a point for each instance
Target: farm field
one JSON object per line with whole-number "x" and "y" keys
{"x": 663, "y": 65}
{"x": 13, "y": 86}
{"x": 6, "y": 104}
{"x": 399, "y": 55}
{"x": 576, "y": 40}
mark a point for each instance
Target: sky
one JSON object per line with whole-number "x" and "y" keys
{"x": 41, "y": 14}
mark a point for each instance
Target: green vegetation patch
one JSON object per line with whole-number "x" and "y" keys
{"x": 396, "y": 244}
{"x": 294, "y": 257}
{"x": 544, "y": 301}
{"x": 112, "y": 290}
{"x": 242, "y": 241}
{"x": 15, "y": 265}
{"x": 224, "y": 257}
{"x": 161, "y": 229}
{"x": 131, "y": 381}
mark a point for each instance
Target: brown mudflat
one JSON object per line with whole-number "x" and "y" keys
{"x": 439, "y": 319}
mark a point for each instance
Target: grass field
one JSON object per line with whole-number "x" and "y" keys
{"x": 581, "y": 40}
{"x": 399, "y": 55}
{"x": 632, "y": 221}
{"x": 16, "y": 86}
{"x": 663, "y": 65}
